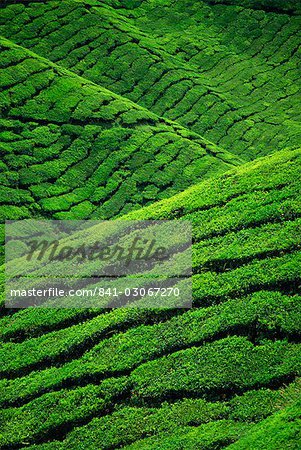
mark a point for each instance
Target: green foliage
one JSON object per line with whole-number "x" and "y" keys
{"x": 268, "y": 5}
{"x": 226, "y": 69}
{"x": 281, "y": 430}
{"x": 103, "y": 115}
{"x": 205, "y": 437}
{"x": 262, "y": 314}
{"x": 67, "y": 170}
{"x": 232, "y": 364}
{"x": 71, "y": 406}
{"x": 129, "y": 424}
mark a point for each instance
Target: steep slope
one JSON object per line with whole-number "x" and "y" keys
{"x": 175, "y": 379}
{"x": 103, "y": 106}
{"x": 71, "y": 149}
{"x": 226, "y": 71}
{"x": 278, "y": 6}
{"x": 281, "y": 430}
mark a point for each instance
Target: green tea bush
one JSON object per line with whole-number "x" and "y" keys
{"x": 192, "y": 77}
{"x": 232, "y": 364}
{"x": 102, "y": 114}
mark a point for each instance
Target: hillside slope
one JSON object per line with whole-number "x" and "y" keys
{"x": 150, "y": 110}
{"x": 71, "y": 149}
{"x": 230, "y": 71}
{"x": 175, "y": 379}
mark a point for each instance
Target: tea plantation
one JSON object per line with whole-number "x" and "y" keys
{"x": 157, "y": 110}
{"x": 229, "y": 73}
{"x": 71, "y": 149}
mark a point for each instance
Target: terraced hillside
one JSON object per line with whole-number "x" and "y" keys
{"x": 230, "y": 71}
{"x": 150, "y": 110}
{"x": 72, "y": 149}
{"x": 176, "y": 379}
